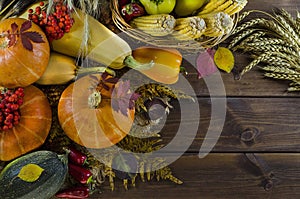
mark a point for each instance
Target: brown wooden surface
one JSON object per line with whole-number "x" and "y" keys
{"x": 219, "y": 175}
{"x": 273, "y": 121}
{"x": 267, "y": 166}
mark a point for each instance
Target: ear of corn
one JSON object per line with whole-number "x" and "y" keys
{"x": 211, "y": 6}
{"x": 223, "y": 6}
{"x": 155, "y": 25}
{"x": 189, "y": 28}
{"x": 218, "y": 24}
{"x": 236, "y": 7}
{"x": 229, "y": 7}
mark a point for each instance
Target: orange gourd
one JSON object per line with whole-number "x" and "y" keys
{"x": 24, "y": 52}
{"x": 86, "y": 114}
{"x": 32, "y": 129}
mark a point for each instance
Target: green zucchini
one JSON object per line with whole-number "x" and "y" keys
{"x": 49, "y": 182}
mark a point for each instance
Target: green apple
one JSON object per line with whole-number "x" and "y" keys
{"x": 187, "y": 7}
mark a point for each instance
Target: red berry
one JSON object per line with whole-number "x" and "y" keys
{"x": 5, "y": 128}
{"x": 10, "y": 102}
{"x": 38, "y": 9}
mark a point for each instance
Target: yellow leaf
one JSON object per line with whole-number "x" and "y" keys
{"x": 224, "y": 59}
{"x": 30, "y": 172}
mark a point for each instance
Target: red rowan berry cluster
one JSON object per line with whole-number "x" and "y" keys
{"x": 56, "y": 23}
{"x": 10, "y": 101}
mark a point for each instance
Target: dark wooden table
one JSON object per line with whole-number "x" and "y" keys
{"x": 258, "y": 152}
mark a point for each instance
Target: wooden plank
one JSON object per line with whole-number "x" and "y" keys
{"x": 272, "y": 122}
{"x": 222, "y": 176}
{"x": 252, "y": 84}
{"x": 266, "y": 5}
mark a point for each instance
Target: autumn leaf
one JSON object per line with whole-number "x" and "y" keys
{"x": 14, "y": 27}
{"x": 122, "y": 98}
{"x": 28, "y": 37}
{"x": 33, "y": 36}
{"x": 30, "y": 172}
{"x": 26, "y": 43}
{"x": 12, "y": 36}
{"x": 25, "y": 26}
{"x": 205, "y": 63}
{"x": 12, "y": 40}
{"x": 224, "y": 59}
{"x": 106, "y": 78}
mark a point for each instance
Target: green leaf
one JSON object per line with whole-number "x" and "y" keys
{"x": 30, "y": 172}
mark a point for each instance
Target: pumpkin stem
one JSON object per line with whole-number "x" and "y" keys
{"x": 134, "y": 64}
{"x": 94, "y": 99}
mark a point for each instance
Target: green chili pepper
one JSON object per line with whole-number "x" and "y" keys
{"x": 158, "y": 6}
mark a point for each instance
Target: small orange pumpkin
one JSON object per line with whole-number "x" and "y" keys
{"x": 86, "y": 115}
{"x": 32, "y": 129}
{"x": 24, "y": 52}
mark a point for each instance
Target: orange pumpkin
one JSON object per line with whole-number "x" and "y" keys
{"x": 24, "y": 52}
{"x": 32, "y": 129}
{"x": 86, "y": 115}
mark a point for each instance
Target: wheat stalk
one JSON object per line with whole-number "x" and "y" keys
{"x": 280, "y": 69}
{"x": 256, "y": 48}
{"x": 273, "y": 39}
{"x": 239, "y": 37}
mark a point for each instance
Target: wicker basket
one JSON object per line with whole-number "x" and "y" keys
{"x": 170, "y": 42}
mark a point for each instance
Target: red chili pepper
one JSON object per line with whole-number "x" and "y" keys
{"x": 80, "y": 174}
{"x": 77, "y": 157}
{"x": 131, "y": 10}
{"x": 74, "y": 192}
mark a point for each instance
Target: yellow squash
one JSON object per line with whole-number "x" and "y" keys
{"x": 62, "y": 69}
{"x": 103, "y": 45}
{"x": 92, "y": 38}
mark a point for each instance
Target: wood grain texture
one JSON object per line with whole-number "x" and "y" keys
{"x": 272, "y": 122}
{"x": 252, "y": 84}
{"x": 222, "y": 176}
{"x": 261, "y": 117}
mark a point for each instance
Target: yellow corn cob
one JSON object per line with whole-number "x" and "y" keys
{"x": 189, "y": 28}
{"x": 236, "y": 7}
{"x": 155, "y": 25}
{"x": 228, "y": 6}
{"x": 211, "y": 6}
{"x": 224, "y": 6}
{"x": 218, "y": 24}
